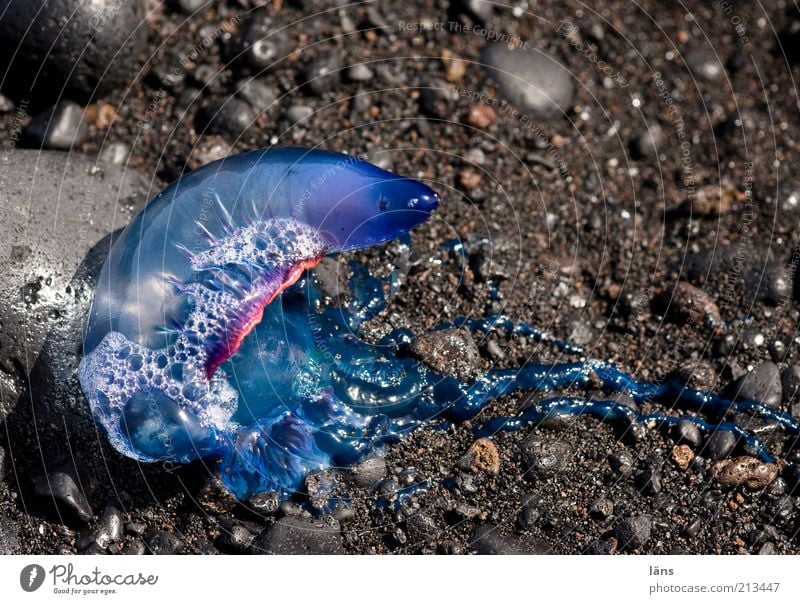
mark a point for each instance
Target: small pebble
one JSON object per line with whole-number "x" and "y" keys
{"x": 59, "y": 483}
{"x": 704, "y": 64}
{"x": 368, "y": 472}
{"x": 719, "y": 445}
{"x": 690, "y": 304}
{"x": 292, "y": 535}
{"x": 115, "y": 153}
{"x": 264, "y": 44}
{"x": 482, "y": 456}
{"x": 436, "y": 99}
{"x": 236, "y": 538}
{"x": 790, "y": 384}
{"x": 488, "y": 540}
{"x": 602, "y": 508}
{"x": 544, "y": 459}
{"x": 231, "y": 118}
{"x": 359, "y": 73}
{"x": 712, "y": 201}
{"x": 299, "y": 113}
{"x": 686, "y": 431}
{"x": 748, "y": 471}
{"x": 648, "y": 481}
{"x": 683, "y": 456}
{"x": 134, "y": 548}
{"x": 621, "y": 463}
{"x": 648, "y": 142}
{"x": 61, "y": 127}
{"x": 163, "y": 543}
{"x": 762, "y": 384}
{"x": 136, "y": 529}
{"x": 259, "y": 95}
{"x": 449, "y": 352}
{"x": 421, "y": 528}
{"x": 634, "y": 533}
{"x": 6, "y": 104}
{"x": 481, "y": 116}
{"x": 533, "y": 81}
{"x": 264, "y": 503}
{"x": 321, "y": 74}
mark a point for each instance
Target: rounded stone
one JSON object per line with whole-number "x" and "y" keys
{"x": 530, "y": 79}
{"x": 762, "y": 384}
{"x": 86, "y": 49}
{"x": 634, "y": 532}
{"x": 49, "y": 257}
{"x": 292, "y": 535}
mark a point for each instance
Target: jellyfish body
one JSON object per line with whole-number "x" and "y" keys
{"x": 188, "y": 280}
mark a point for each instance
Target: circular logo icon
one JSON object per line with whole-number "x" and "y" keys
{"x": 31, "y": 577}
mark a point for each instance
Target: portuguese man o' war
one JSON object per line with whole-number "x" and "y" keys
{"x": 210, "y": 338}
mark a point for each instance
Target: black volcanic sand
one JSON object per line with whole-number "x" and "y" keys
{"x": 592, "y": 232}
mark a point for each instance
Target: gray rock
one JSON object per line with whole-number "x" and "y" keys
{"x": 621, "y": 463}
{"x": 235, "y": 538}
{"x": 752, "y": 269}
{"x": 231, "y": 118}
{"x": 602, "y": 508}
{"x": 70, "y": 48}
{"x": 114, "y": 154}
{"x": 368, "y": 472}
{"x": 529, "y": 513}
{"x": 790, "y": 384}
{"x": 134, "y": 548}
{"x": 762, "y": 384}
{"x": 450, "y": 352}
{"x": 61, "y": 127}
{"x": 697, "y": 375}
{"x": 704, "y": 64}
{"x": 634, "y": 532}
{"x": 533, "y": 81}
{"x": 264, "y": 44}
{"x": 358, "y": 73}
{"x": 691, "y": 304}
{"x": 109, "y": 527}
{"x": 488, "y": 540}
{"x": 136, "y": 529}
{"x": 293, "y": 535}
{"x": 259, "y": 95}
{"x": 162, "y": 543}
{"x": 421, "y": 528}
{"x": 264, "y": 503}
{"x": 299, "y": 113}
{"x": 648, "y": 481}
{"x": 768, "y": 549}
{"x": 687, "y": 432}
{"x": 647, "y": 144}
{"x": 322, "y": 73}
{"x": 59, "y": 482}
{"x": 50, "y": 254}
{"x": 719, "y": 445}
{"x": 544, "y": 459}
